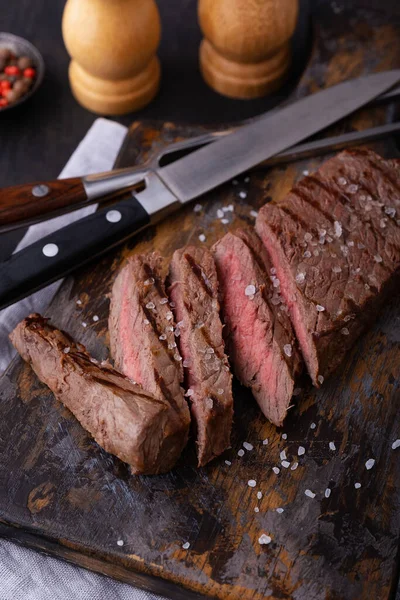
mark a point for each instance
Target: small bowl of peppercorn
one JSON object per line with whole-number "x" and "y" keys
{"x": 21, "y": 70}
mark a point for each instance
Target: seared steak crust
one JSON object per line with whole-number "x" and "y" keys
{"x": 260, "y": 338}
{"x": 335, "y": 243}
{"x": 194, "y": 292}
{"x": 120, "y": 415}
{"x": 143, "y": 343}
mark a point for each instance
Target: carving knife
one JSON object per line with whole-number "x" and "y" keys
{"x": 167, "y": 188}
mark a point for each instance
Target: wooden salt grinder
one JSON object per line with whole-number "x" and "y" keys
{"x": 245, "y": 52}
{"x": 114, "y": 68}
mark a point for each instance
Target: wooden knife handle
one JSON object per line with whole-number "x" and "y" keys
{"x": 30, "y": 202}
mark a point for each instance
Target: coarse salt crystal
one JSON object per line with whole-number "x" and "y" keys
{"x": 186, "y": 545}
{"x": 79, "y": 302}
{"x": 332, "y": 446}
{"x": 307, "y": 254}
{"x": 209, "y": 403}
{"x": 316, "y": 252}
{"x": 276, "y": 470}
{"x": 265, "y": 442}
{"x": 163, "y": 300}
{"x": 342, "y": 181}
{"x": 337, "y": 269}
{"x": 220, "y": 214}
{"x": 276, "y": 283}
{"x": 294, "y": 466}
{"x": 320, "y": 379}
{"x": 285, "y": 464}
{"x": 390, "y": 211}
{"x": 220, "y": 391}
{"x": 352, "y": 188}
{"x": 287, "y": 348}
{"x": 162, "y": 337}
{"x": 197, "y": 208}
{"x": 224, "y": 221}
{"x": 241, "y": 452}
{"x": 272, "y": 271}
{"x": 337, "y": 226}
{"x": 189, "y": 393}
{"x": 84, "y": 324}
{"x": 228, "y": 462}
{"x": 169, "y": 316}
{"x": 177, "y": 357}
{"x": 328, "y": 492}
{"x": 301, "y": 450}
{"x": 307, "y": 237}
{"x": 345, "y": 331}
{"x": 149, "y": 281}
{"x": 66, "y": 350}
{"x": 146, "y": 322}
{"x": 309, "y": 493}
{"x": 248, "y": 446}
{"x": 378, "y": 258}
{"x": 284, "y": 436}
{"x": 345, "y": 250}
{"x": 242, "y": 195}
{"x": 280, "y": 510}
{"x": 202, "y": 237}
{"x": 312, "y": 426}
{"x": 283, "y": 455}
{"x": 259, "y": 495}
{"x": 96, "y": 318}
{"x": 305, "y": 172}
{"x": 320, "y": 308}
{"x": 329, "y": 239}
{"x": 264, "y": 539}
{"x": 382, "y": 223}
{"x": 120, "y": 543}
{"x": 250, "y": 290}
{"x": 300, "y": 277}
{"x": 172, "y": 345}
{"x": 150, "y": 305}
{"x": 254, "y": 214}
{"x": 357, "y": 485}
{"x": 369, "y": 464}
{"x": 252, "y": 483}
{"x": 229, "y": 208}
{"x": 350, "y": 244}
{"x": 256, "y": 509}
{"x": 396, "y": 444}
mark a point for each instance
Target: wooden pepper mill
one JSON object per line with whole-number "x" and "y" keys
{"x": 113, "y": 43}
{"x": 245, "y": 52}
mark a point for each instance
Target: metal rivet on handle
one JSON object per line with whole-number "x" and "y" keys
{"x": 113, "y": 216}
{"x": 39, "y": 191}
{"x": 50, "y": 250}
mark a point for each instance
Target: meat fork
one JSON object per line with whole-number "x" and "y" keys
{"x": 26, "y": 204}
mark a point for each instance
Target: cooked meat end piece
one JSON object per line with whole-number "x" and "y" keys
{"x": 194, "y": 293}
{"x": 334, "y": 241}
{"x": 260, "y": 338}
{"x": 120, "y": 415}
{"x": 143, "y": 343}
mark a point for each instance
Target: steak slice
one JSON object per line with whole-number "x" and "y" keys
{"x": 260, "y": 338}
{"x": 122, "y": 418}
{"x": 143, "y": 343}
{"x": 194, "y": 292}
{"x": 335, "y": 243}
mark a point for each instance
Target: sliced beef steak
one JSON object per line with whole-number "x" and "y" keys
{"x": 194, "y": 293}
{"x": 143, "y": 343}
{"x": 335, "y": 244}
{"x": 260, "y": 338}
{"x": 121, "y": 417}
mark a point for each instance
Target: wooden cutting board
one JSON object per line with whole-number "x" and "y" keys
{"x": 60, "y": 493}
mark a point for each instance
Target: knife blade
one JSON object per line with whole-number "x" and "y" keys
{"x": 168, "y": 187}
{"x": 248, "y": 146}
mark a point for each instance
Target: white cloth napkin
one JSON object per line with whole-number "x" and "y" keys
{"x": 25, "y": 574}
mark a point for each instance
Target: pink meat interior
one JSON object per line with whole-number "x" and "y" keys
{"x": 258, "y": 362}
{"x": 292, "y": 297}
